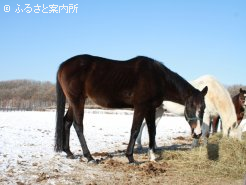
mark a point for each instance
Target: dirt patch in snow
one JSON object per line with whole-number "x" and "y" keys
{"x": 27, "y": 157}
{"x": 112, "y": 169}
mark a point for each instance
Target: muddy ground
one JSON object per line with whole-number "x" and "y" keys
{"x": 27, "y": 156}
{"x": 113, "y": 168}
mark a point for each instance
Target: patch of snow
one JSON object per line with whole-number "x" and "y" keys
{"x": 27, "y": 139}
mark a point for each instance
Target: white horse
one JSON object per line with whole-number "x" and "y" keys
{"x": 218, "y": 102}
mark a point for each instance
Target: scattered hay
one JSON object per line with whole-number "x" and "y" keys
{"x": 244, "y": 136}
{"x": 223, "y": 157}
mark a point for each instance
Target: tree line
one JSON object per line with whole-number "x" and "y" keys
{"x": 29, "y": 95}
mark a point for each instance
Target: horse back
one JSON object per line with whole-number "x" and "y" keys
{"x": 111, "y": 83}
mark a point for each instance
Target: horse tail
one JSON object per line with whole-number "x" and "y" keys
{"x": 60, "y": 110}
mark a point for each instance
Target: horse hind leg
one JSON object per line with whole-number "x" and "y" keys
{"x": 78, "y": 112}
{"x": 139, "y": 138}
{"x": 68, "y": 120}
{"x": 150, "y": 120}
{"x": 138, "y": 117}
{"x": 158, "y": 116}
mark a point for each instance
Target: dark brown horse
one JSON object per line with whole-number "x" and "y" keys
{"x": 139, "y": 83}
{"x": 239, "y": 104}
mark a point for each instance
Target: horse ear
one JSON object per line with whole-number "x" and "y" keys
{"x": 204, "y": 91}
{"x": 240, "y": 90}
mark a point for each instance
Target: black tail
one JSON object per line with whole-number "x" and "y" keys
{"x": 60, "y": 110}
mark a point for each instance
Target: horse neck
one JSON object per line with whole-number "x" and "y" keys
{"x": 236, "y": 102}
{"x": 180, "y": 90}
{"x": 235, "y": 99}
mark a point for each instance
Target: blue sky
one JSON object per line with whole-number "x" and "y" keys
{"x": 191, "y": 37}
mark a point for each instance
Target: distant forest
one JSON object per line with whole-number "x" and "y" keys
{"x": 28, "y": 95}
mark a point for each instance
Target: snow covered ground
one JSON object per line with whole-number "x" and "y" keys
{"x": 27, "y": 139}
{"x": 28, "y": 136}
{"x": 24, "y": 134}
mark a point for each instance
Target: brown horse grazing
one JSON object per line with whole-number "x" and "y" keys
{"x": 239, "y": 104}
{"x": 139, "y": 83}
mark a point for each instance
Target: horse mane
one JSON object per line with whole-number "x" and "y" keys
{"x": 171, "y": 77}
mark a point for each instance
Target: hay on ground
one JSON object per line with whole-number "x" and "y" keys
{"x": 223, "y": 157}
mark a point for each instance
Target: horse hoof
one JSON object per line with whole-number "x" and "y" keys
{"x": 140, "y": 149}
{"x": 135, "y": 163}
{"x": 70, "y": 156}
{"x": 93, "y": 162}
{"x": 151, "y": 155}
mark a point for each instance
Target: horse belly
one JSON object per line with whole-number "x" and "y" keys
{"x": 116, "y": 100}
{"x": 111, "y": 90}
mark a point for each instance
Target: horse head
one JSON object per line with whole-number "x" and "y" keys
{"x": 242, "y": 96}
{"x": 194, "y": 110}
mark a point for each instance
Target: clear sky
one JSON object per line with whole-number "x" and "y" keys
{"x": 191, "y": 37}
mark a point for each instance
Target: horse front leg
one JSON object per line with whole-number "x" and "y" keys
{"x": 205, "y": 127}
{"x": 138, "y": 117}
